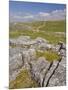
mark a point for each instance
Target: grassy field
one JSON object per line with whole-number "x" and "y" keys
{"x": 54, "y": 26}
{"x": 42, "y": 29}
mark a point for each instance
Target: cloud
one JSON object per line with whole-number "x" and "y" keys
{"x": 40, "y": 16}
{"x": 20, "y": 16}
{"x": 54, "y": 15}
{"x": 58, "y": 14}
{"x": 43, "y": 14}
{"x": 28, "y": 16}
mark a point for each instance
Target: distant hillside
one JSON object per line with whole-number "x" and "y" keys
{"x": 53, "y": 31}
{"x": 19, "y": 26}
{"x": 55, "y": 26}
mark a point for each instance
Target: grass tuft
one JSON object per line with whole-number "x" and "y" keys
{"x": 49, "y": 55}
{"x": 23, "y": 80}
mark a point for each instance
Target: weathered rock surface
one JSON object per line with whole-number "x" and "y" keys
{"x": 44, "y": 72}
{"x": 19, "y": 58}
{"x": 25, "y": 41}
{"x": 59, "y": 77}
{"x": 50, "y": 72}
{"x": 15, "y": 61}
{"x": 39, "y": 68}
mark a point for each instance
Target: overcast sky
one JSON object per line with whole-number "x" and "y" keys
{"x": 29, "y": 11}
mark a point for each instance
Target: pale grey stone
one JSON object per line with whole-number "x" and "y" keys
{"x": 44, "y": 72}
{"x": 59, "y": 77}
{"x": 39, "y": 69}
{"x": 50, "y": 72}
{"x": 62, "y": 52}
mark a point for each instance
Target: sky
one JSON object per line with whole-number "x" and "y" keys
{"x": 33, "y": 11}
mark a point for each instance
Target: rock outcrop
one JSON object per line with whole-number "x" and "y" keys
{"x": 59, "y": 76}
{"x": 44, "y": 72}
{"x": 26, "y": 42}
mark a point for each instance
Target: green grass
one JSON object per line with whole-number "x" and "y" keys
{"x": 23, "y": 80}
{"x": 51, "y": 37}
{"x": 54, "y": 26}
{"x": 49, "y": 28}
{"x": 49, "y": 55}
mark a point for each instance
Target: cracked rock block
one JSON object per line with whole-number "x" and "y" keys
{"x": 26, "y": 59}
{"x": 15, "y": 62}
{"x": 14, "y": 51}
{"x": 50, "y": 73}
{"x": 32, "y": 54}
{"x": 45, "y": 46}
{"x": 39, "y": 68}
{"x": 59, "y": 77}
{"x": 26, "y": 41}
{"x": 57, "y": 47}
{"x": 64, "y": 46}
{"x": 20, "y": 40}
{"x": 40, "y": 40}
{"x": 29, "y": 56}
{"x": 63, "y": 62}
{"x": 63, "y": 52}
{"x": 12, "y": 42}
